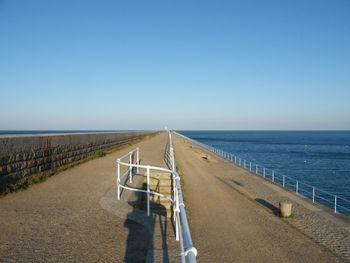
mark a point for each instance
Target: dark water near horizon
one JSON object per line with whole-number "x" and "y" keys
{"x": 315, "y": 158}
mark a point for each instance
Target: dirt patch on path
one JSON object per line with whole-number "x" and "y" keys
{"x": 227, "y": 225}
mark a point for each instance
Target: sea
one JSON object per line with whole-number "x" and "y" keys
{"x": 318, "y": 160}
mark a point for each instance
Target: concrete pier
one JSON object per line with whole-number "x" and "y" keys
{"x": 75, "y": 216}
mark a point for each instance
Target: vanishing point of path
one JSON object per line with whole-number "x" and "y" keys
{"x": 61, "y": 220}
{"x": 227, "y": 225}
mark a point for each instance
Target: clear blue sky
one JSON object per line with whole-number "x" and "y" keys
{"x": 182, "y": 64}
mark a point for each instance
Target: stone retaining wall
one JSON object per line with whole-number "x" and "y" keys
{"x": 24, "y": 156}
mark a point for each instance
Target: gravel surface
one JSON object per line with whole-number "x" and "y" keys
{"x": 231, "y": 213}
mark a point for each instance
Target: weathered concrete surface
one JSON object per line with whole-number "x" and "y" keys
{"x": 22, "y": 156}
{"x": 226, "y": 221}
{"x": 62, "y": 220}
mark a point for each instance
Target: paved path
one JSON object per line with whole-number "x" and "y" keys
{"x": 228, "y": 224}
{"x": 74, "y": 217}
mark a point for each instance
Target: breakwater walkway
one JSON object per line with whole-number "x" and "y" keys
{"x": 231, "y": 215}
{"x": 75, "y": 217}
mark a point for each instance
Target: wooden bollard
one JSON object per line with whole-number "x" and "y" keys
{"x": 286, "y": 208}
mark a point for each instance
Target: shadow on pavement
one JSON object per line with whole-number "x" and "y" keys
{"x": 140, "y": 245}
{"x": 268, "y": 205}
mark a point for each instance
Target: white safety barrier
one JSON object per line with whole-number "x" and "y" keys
{"x": 187, "y": 250}
{"x": 316, "y": 194}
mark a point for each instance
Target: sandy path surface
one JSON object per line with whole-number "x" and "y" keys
{"x": 61, "y": 220}
{"x": 227, "y": 225}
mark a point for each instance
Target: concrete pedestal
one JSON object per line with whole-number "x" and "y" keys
{"x": 285, "y": 208}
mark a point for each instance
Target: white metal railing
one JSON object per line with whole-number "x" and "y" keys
{"x": 187, "y": 250}
{"x": 332, "y": 201}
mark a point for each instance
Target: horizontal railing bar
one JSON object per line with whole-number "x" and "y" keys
{"x": 341, "y": 198}
{"x": 326, "y": 200}
{"x": 338, "y": 205}
{"x": 145, "y": 191}
{"x": 191, "y": 250}
{"x": 323, "y": 191}
{"x": 182, "y": 252}
{"x": 149, "y": 166}
{"x": 127, "y": 154}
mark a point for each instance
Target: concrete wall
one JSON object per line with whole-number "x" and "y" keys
{"x": 23, "y": 156}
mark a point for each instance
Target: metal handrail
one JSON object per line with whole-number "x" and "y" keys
{"x": 282, "y": 179}
{"x": 182, "y": 230}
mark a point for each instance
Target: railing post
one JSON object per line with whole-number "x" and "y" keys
{"x": 138, "y": 159}
{"x": 175, "y": 197}
{"x": 148, "y": 201}
{"x": 313, "y": 194}
{"x": 130, "y": 162}
{"x": 118, "y": 181}
{"x": 335, "y": 204}
{"x": 256, "y": 169}
{"x": 244, "y": 163}
{"x": 235, "y": 159}
{"x": 172, "y": 159}
{"x": 174, "y": 210}
{"x": 264, "y": 171}
{"x": 284, "y": 180}
{"x": 273, "y": 176}
{"x": 296, "y": 187}
{"x": 239, "y": 161}
{"x": 250, "y": 166}
{"x": 177, "y": 209}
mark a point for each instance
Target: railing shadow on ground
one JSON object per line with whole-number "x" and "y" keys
{"x": 229, "y": 183}
{"x": 140, "y": 240}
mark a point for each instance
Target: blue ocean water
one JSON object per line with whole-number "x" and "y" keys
{"x": 314, "y": 158}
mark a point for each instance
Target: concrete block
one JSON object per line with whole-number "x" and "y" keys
{"x": 285, "y": 208}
